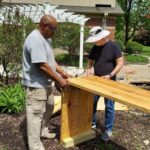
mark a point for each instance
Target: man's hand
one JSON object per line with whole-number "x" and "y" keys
{"x": 106, "y": 76}
{"x": 89, "y": 72}
{"x": 63, "y": 83}
{"x": 64, "y": 75}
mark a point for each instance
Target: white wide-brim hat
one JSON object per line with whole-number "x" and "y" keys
{"x": 96, "y": 34}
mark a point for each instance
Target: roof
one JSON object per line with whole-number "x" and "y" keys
{"x": 94, "y": 10}
{"x": 88, "y": 3}
{"x": 78, "y": 9}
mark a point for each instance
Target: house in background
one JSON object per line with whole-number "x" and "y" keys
{"x": 100, "y": 12}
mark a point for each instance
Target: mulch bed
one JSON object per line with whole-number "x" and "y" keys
{"x": 130, "y": 133}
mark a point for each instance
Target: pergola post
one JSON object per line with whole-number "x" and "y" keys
{"x": 104, "y": 23}
{"x": 81, "y": 46}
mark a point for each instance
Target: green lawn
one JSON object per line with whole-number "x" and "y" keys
{"x": 136, "y": 59}
{"x": 146, "y": 50}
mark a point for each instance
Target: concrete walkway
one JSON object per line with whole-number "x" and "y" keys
{"x": 135, "y": 73}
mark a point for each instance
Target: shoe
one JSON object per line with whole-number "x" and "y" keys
{"x": 106, "y": 136}
{"x": 94, "y": 126}
{"x": 48, "y": 136}
{"x": 45, "y": 134}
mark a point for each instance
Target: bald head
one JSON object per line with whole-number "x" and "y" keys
{"x": 47, "y": 19}
{"x": 47, "y": 26}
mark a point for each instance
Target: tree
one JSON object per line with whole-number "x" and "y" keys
{"x": 68, "y": 38}
{"x": 13, "y": 31}
{"x": 143, "y": 35}
{"x": 133, "y": 18}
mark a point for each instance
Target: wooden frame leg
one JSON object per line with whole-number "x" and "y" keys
{"x": 76, "y": 116}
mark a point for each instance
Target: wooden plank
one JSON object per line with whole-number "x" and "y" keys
{"x": 72, "y": 141}
{"x": 117, "y": 94}
{"x": 64, "y": 130}
{"x": 122, "y": 91}
{"x": 126, "y": 87}
{"x": 126, "y": 94}
{"x": 77, "y": 110}
{"x": 108, "y": 89}
{"x": 57, "y": 104}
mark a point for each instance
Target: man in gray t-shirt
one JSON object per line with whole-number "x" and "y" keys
{"x": 36, "y": 50}
{"x": 39, "y": 70}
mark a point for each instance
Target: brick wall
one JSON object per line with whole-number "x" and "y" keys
{"x": 110, "y": 24}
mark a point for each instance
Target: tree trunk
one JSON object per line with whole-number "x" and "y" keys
{"x": 127, "y": 19}
{"x": 1, "y": 77}
{"x": 5, "y": 70}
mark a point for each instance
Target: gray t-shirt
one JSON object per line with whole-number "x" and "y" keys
{"x": 37, "y": 49}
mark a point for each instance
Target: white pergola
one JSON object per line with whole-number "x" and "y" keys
{"x": 35, "y": 12}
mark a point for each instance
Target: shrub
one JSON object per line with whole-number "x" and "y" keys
{"x": 63, "y": 59}
{"x": 133, "y": 47}
{"x": 12, "y": 99}
{"x": 120, "y": 35}
{"x": 13, "y": 30}
{"x": 120, "y": 44}
{"x": 67, "y": 37}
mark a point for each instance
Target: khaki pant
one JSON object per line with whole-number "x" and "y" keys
{"x": 39, "y": 107}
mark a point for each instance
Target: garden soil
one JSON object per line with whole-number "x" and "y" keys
{"x": 131, "y": 132}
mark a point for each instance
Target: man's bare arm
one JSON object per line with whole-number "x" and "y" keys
{"x": 48, "y": 71}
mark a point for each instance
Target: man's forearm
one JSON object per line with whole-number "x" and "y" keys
{"x": 116, "y": 70}
{"x": 58, "y": 68}
{"x": 89, "y": 64}
{"x": 119, "y": 65}
{"x": 47, "y": 70}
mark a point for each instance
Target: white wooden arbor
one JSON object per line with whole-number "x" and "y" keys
{"x": 35, "y": 12}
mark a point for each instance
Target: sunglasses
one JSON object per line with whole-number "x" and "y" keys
{"x": 53, "y": 29}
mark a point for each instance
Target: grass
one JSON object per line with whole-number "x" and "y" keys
{"x": 136, "y": 59}
{"x": 143, "y": 58}
{"x": 146, "y": 50}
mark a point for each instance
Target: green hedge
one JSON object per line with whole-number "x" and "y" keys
{"x": 63, "y": 59}
{"x": 134, "y": 47}
{"x": 120, "y": 44}
{"x": 12, "y": 99}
